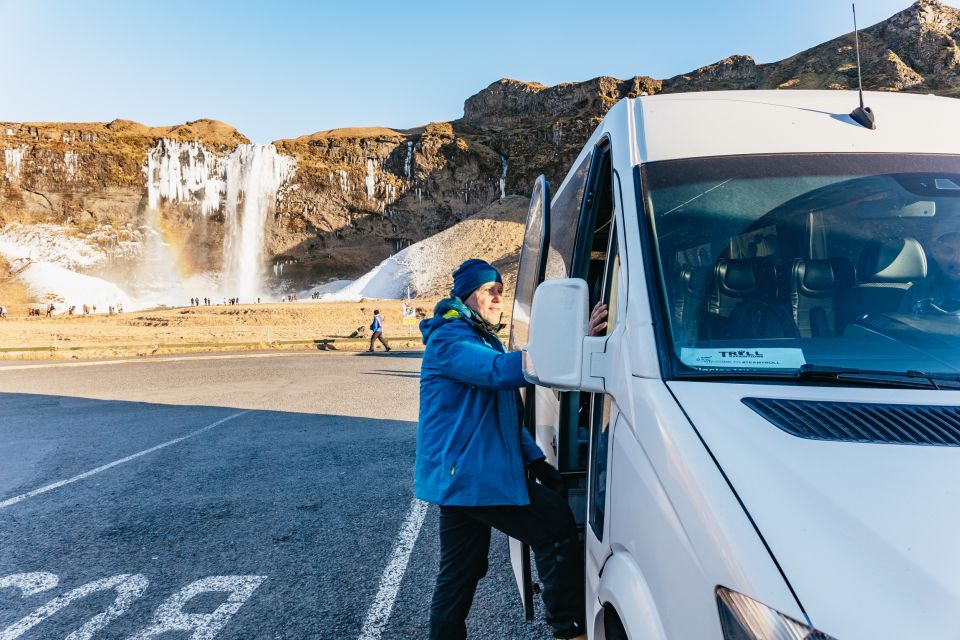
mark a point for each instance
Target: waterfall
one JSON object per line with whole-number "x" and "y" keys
{"x": 70, "y": 162}
{"x": 407, "y": 163}
{"x": 344, "y": 181}
{"x": 254, "y": 173}
{"x": 12, "y": 160}
{"x": 370, "y": 181}
{"x": 184, "y": 172}
{"x": 503, "y": 176}
{"x": 244, "y": 185}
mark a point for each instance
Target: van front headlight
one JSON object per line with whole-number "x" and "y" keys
{"x": 744, "y": 618}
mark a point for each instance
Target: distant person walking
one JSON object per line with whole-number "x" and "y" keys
{"x": 377, "y": 328}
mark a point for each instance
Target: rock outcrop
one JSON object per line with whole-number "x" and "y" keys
{"x": 917, "y": 49}
{"x": 358, "y": 195}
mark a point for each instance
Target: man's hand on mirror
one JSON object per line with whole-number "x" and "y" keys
{"x": 598, "y": 320}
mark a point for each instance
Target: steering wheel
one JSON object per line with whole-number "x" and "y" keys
{"x": 938, "y": 307}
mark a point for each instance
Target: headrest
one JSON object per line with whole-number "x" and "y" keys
{"x": 822, "y": 278}
{"x": 747, "y": 278}
{"x": 691, "y": 279}
{"x": 894, "y": 260}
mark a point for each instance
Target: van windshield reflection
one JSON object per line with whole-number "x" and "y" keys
{"x": 775, "y": 263}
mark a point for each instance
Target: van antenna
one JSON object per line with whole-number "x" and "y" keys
{"x": 861, "y": 115}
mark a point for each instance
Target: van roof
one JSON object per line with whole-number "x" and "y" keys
{"x": 720, "y": 123}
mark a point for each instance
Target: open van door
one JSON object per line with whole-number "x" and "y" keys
{"x": 530, "y": 274}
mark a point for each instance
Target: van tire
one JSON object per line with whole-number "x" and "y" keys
{"x": 612, "y": 626}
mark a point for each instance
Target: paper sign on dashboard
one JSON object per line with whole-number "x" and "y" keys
{"x": 749, "y": 358}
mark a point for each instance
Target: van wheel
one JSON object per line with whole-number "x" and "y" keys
{"x": 612, "y": 627}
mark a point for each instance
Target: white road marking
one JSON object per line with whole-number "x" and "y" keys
{"x": 97, "y": 363}
{"x": 170, "y": 616}
{"x": 382, "y": 605}
{"x": 30, "y": 583}
{"x": 56, "y": 485}
{"x": 128, "y": 588}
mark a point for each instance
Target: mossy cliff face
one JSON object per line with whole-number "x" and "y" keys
{"x": 357, "y": 195}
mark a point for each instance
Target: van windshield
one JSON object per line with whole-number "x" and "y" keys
{"x": 787, "y": 263}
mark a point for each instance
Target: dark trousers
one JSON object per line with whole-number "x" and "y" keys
{"x": 378, "y": 335}
{"x": 546, "y": 524}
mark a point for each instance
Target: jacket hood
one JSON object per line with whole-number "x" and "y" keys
{"x": 447, "y": 310}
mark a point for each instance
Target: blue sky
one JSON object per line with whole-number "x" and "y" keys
{"x": 277, "y": 69}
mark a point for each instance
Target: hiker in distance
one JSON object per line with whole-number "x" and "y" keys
{"x": 376, "y": 327}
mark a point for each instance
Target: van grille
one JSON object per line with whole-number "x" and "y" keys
{"x": 862, "y": 422}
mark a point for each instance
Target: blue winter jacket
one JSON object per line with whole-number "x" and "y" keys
{"x": 471, "y": 449}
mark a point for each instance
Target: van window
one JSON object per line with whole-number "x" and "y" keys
{"x": 770, "y": 264}
{"x": 590, "y": 245}
{"x": 528, "y": 273}
{"x": 600, "y": 419}
{"x": 564, "y": 217}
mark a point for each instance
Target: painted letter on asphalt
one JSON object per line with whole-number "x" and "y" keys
{"x": 128, "y": 588}
{"x": 30, "y": 583}
{"x": 170, "y": 616}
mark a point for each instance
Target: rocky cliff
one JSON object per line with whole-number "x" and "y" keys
{"x": 348, "y": 198}
{"x": 917, "y": 50}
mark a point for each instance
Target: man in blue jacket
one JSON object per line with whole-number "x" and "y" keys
{"x": 472, "y": 456}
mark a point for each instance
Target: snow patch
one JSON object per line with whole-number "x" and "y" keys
{"x": 47, "y": 243}
{"x": 51, "y": 282}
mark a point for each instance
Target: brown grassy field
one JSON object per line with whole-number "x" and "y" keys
{"x": 297, "y": 325}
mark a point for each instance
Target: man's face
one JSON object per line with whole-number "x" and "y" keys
{"x": 946, "y": 253}
{"x": 487, "y": 301}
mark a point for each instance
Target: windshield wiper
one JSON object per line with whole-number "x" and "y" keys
{"x": 909, "y": 378}
{"x": 840, "y": 375}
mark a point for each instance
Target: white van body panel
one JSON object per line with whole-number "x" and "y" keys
{"x": 724, "y": 123}
{"x": 866, "y": 533}
{"x": 638, "y": 340}
{"x": 674, "y": 516}
{"x": 623, "y": 586}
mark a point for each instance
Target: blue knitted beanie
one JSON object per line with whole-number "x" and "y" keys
{"x": 472, "y": 274}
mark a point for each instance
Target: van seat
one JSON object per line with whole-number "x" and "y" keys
{"x": 885, "y": 271}
{"x": 688, "y": 301}
{"x": 744, "y": 301}
{"x": 815, "y": 286}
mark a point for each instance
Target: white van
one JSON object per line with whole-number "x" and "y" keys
{"x": 764, "y": 445}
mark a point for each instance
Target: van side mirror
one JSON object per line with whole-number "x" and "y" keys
{"x": 559, "y": 351}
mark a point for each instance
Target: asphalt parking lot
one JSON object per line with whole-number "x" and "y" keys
{"x": 229, "y": 496}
